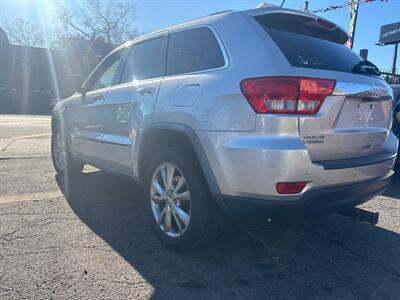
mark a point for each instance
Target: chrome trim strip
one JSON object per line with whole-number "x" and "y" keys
{"x": 362, "y": 90}
{"x": 116, "y": 140}
{"x": 102, "y": 138}
{"x": 87, "y": 135}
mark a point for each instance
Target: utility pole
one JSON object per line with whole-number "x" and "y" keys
{"x": 396, "y": 46}
{"x": 305, "y": 7}
{"x": 353, "y": 22}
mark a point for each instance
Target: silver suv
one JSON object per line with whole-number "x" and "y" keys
{"x": 249, "y": 114}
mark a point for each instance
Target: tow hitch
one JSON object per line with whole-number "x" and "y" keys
{"x": 361, "y": 215}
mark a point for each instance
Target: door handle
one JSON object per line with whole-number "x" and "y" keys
{"x": 146, "y": 90}
{"x": 98, "y": 97}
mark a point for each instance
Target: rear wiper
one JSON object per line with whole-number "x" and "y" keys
{"x": 366, "y": 67}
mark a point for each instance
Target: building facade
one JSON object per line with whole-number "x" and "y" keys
{"x": 31, "y": 77}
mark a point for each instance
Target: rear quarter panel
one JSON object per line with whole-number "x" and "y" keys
{"x": 218, "y": 104}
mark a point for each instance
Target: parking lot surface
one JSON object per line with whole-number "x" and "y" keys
{"x": 87, "y": 238}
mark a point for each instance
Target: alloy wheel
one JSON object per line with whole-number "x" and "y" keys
{"x": 170, "y": 199}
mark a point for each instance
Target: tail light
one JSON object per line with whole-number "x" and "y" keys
{"x": 290, "y": 187}
{"x": 286, "y": 95}
{"x": 326, "y": 24}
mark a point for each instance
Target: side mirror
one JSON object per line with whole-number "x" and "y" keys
{"x": 74, "y": 84}
{"x": 82, "y": 90}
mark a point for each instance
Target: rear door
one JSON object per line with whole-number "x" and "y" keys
{"x": 130, "y": 103}
{"x": 355, "y": 120}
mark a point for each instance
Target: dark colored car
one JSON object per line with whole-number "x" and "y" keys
{"x": 396, "y": 92}
{"x": 396, "y": 119}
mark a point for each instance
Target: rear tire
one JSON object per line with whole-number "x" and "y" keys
{"x": 63, "y": 161}
{"x": 178, "y": 202}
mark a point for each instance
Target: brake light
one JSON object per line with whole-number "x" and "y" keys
{"x": 290, "y": 187}
{"x": 326, "y": 24}
{"x": 286, "y": 95}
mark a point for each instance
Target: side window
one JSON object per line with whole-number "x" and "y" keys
{"x": 104, "y": 74}
{"x": 145, "y": 60}
{"x": 193, "y": 50}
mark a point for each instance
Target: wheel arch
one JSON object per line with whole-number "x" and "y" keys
{"x": 54, "y": 121}
{"x": 58, "y": 122}
{"x": 57, "y": 117}
{"x": 161, "y": 135}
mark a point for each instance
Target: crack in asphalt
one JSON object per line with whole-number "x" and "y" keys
{"x": 24, "y": 157}
{"x": 20, "y": 214}
{"x": 40, "y": 196}
{"x": 8, "y": 145}
{"x": 59, "y": 249}
{"x": 9, "y": 290}
{"x": 18, "y": 238}
{"x": 9, "y": 233}
{"x": 43, "y": 196}
{"x": 255, "y": 237}
{"x": 19, "y": 138}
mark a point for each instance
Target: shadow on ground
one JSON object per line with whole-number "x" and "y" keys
{"x": 320, "y": 257}
{"x": 394, "y": 189}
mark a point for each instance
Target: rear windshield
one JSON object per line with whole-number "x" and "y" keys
{"x": 309, "y": 51}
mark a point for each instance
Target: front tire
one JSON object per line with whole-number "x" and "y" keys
{"x": 178, "y": 202}
{"x": 63, "y": 162}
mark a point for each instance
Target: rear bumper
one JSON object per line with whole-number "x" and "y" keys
{"x": 331, "y": 199}
{"x": 249, "y": 166}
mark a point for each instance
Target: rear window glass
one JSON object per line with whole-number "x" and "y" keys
{"x": 308, "y": 51}
{"x": 146, "y": 60}
{"x": 193, "y": 50}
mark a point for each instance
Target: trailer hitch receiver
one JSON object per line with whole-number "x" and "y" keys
{"x": 361, "y": 215}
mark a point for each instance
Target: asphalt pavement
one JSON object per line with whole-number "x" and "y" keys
{"x": 87, "y": 238}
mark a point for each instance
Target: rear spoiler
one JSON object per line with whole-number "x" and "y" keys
{"x": 335, "y": 32}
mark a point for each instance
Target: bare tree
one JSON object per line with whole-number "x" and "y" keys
{"x": 111, "y": 21}
{"x": 22, "y": 32}
{"x": 54, "y": 38}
